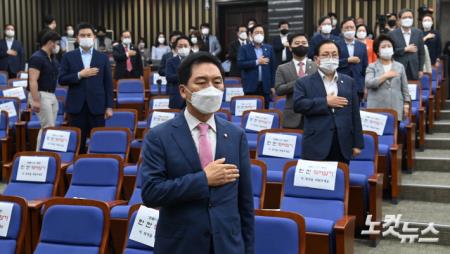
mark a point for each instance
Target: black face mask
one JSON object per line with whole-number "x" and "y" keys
{"x": 300, "y": 51}
{"x": 392, "y": 22}
{"x": 284, "y": 31}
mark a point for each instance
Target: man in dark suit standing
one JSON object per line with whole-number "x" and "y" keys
{"x": 325, "y": 26}
{"x": 330, "y": 106}
{"x": 11, "y": 53}
{"x": 128, "y": 59}
{"x": 87, "y": 72}
{"x": 353, "y": 59}
{"x": 183, "y": 47}
{"x": 162, "y": 66}
{"x": 257, "y": 64}
{"x": 196, "y": 169}
{"x": 280, "y": 44}
{"x": 288, "y": 73}
{"x": 233, "y": 49}
{"x": 409, "y": 48}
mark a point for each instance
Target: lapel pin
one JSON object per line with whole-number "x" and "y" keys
{"x": 225, "y": 135}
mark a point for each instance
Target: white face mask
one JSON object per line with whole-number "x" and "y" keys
{"x": 184, "y": 52}
{"x": 161, "y": 40}
{"x": 326, "y": 29}
{"x": 205, "y": 31}
{"x": 386, "y": 53}
{"x": 259, "y": 38}
{"x": 427, "y": 25}
{"x": 328, "y": 65}
{"x": 361, "y": 35}
{"x": 10, "y": 33}
{"x": 56, "y": 49}
{"x": 195, "y": 50}
{"x": 243, "y": 36}
{"x": 194, "y": 40}
{"x": 86, "y": 42}
{"x": 349, "y": 35}
{"x": 70, "y": 33}
{"x": 207, "y": 100}
{"x": 334, "y": 22}
{"x": 126, "y": 41}
{"x": 407, "y": 22}
{"x": 141, "y": 45}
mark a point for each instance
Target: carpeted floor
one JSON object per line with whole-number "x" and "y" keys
{"x": 395, "y": 247}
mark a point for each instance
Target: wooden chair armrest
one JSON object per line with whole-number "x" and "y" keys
{"x": 345, "y": 234}
{"x": 114, "y": 203}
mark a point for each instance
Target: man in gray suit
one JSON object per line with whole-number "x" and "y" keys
{"x": 409, "y": 48}
{"x": 211, "y": 42}
{"x": 288, "y": 73}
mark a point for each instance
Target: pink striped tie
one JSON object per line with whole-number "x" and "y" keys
{"x": 129, "y": 65}
{"x": 204, "y": 146}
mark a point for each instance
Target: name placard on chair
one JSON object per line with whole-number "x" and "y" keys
{"x": 20, "y": 83}
{"x": 157, "y": 77}
{"x": 56, "y": 140}
{"x": 144, "y": 226}
{"x": 15, "y": 92}
{"x": 10, "y": 108}
{"x": 5, "y": 217}
{"x": 230, "y": 92}
{"x": 32, "y": 169}
{"x": 160, "y": 117}
{"x": 243, "y": 105}
{"x": 316, "y": 174}
{"x": 279, "y": 145}
{"x": 23, "y": 75}
{"x": 412, "y": 88}
{"x": 161, "y": 103}
{"x": 259, "y": 121}
{"x": 373, "y": 122}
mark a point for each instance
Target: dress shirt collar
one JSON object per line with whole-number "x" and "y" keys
{"x": 296, "y": 62}
{"x": 89, "y": 52}
{"x": 194, "y": 122}
{"x": 405, "y": 32}
{"x": 350, "y": 43}
{"x": 323, "y": 76}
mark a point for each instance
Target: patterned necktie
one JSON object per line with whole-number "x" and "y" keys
{"x": 204, "y": 145}
{"x": 301, "y": 72}
{"x": 129, "y": 65}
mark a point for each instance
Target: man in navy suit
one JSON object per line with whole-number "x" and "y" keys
{"x": 11, "y": 53}
{"x": 87, "y": 72}
{"x": 128, "y": 59}
{"x": 330, "y": 107}
{"x": 325, "y": 26}
{"x": 183, "y": 47}
{"x": 257, "y": 64}
{"x": 353, "y": 58}
{"x": 281, "y": 45}
{"x": 196, "y": 169}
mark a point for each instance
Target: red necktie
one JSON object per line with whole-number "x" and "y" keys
{"x": 301, "y": 72}
{"x": 129, "y": 65}
{"x": 204, "y": 145}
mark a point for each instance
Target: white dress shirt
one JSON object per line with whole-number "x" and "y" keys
{"x": 284, "y": 39}
{"x": 330, "y": 86}
{"x": 406, "y": 36}
{"x": 195, "y": 132}
{"x": 297, "y": 65}
{"x": 9, "y": 43}
{"x": 351, "y": 47}
{"x": 242, "y": 42}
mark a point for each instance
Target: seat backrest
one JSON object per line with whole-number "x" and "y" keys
{"x": 110, "y": 141}
{"x": 259, "y": 176}
{"x": 30, "y": 180}
{"x": 4, "y": 124}
{"x": 157, "y": 117}
{"x": 232, "y": 81}
{"x": 276, "y": 122}
{"x": 73, "y": 147}
{"x": 287, "y": 232}
{"x": 426, "y": 82}
{"x": 13, "y": 241}
{"x": 130, "y": 86}
{"x": 159, "y": 102}
{"x": 239, "y": 104}
{"x": 123, "y": 118}
{"x": 262, "y": 136}
{"x": 17, "y": 92}
{"x": 4, "y": 78}
{"x": 6, "y": 103}
{"x": 136, "y": 195}
{"x": 231, "y": 91}
{"x": 224, "y": 114}
{"x": 74, "y": 226}
{"x": 367, "y": 161}
{"x": 312, "y": 202}
{"x": 97, "y": 177}
{"x": 389, "y": 136}
{"x": 280, "y": 103}
{"x": 133, "y": 247}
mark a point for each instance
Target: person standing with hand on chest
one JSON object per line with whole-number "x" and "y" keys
{"x": 128, "y": 59}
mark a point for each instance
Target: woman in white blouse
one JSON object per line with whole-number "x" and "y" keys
{"x": 159, "y": 49}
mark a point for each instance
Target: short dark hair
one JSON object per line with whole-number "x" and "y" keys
{"x": 9, "y": 24}
{"x": 85, "y": 26}
{"x": 379, "y": 39}
{"x": 205, "y": 25}
{"x": 428, "y": 15}
{"x": 48, "y": 19}
{"x": 101, "y": 29}
{"x": 360, "y": 25}
{"x": 256, "y": 26}
{"x": 242, "y": 25}
{"x": 182, "y": 37}
{"x": 67, "y": 25}
{"x": 324, "y": 42}
{"x": 124, "y": 31}
{"x": 322, "y": 19}
{"x": 332, "y": 14}
{"x": 50, "y": 36}
{"x": 193, "y": 28}
{"x": 282, "y": 22}
{"x": 253, "y": 20}
{"x": 403, "y": 11}
{"x": 292, "y": 37}
{"x": 175, "y": 33}
{"x": 185, "y": 70}
{"x": 347, "y": 19}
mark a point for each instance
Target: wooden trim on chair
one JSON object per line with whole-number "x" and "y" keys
{"x": 263, "y": 166}
{"x": 86, "y": 202}
{"x": 297, "y": 218}
{"x": 127, "y": 153}
{"x": 20, "y": 242}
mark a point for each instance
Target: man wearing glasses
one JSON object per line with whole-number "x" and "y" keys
{"x": 329, "y": 103}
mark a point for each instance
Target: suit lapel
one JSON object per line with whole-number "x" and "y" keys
{"x": 222, "y": 139}
{"x": 79, "y": 59}
{"x": 183, "y": 138}
{"x": 293, "y": 70}
{"x": 309, "y": 67}
{"x": 94, "y": 58}
{"x": 321, "y": 87}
